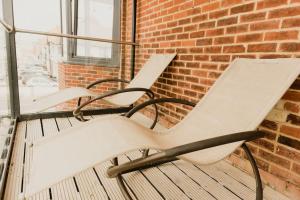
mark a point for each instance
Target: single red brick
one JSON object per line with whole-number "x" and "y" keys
{"x": 214, "y": 49}
{"x": 209, "y": 66}
{"x": 262, "y": 47}
{"x": 255, "y": 37}
{"x": 292, "y": 107}
{"x": 226, "y": 3}
{"x": 270, "y": 3}
{"x": 220, "y": 58}
{"x": 197, "y": 34}
{"x": 215, "y": 32}
{"x": 234, "y": 49}
{"x": 289, "y": 23}
{"x": 274, "y": 159}
{"x": 204, "y": 42}
{"x": 283, "y": 35}
{"x": 279, "y": 172}
{"x": 199, "y": 2}
{"x": 237, "y": 29}
{"x": 218, "y": 14}
{"x": 270, "y": 125}
{"x": 241, "y": 9}
{"x": 211, "y": 6}
{"x": 186, "y": 57}
{"x": 224, "y": 40}
{"x": 182, "y": 36}
{"x": 227, "y": 21}
{"x": 273, "y": 56}
{"x": 196, "y": 50}
{"x": 206, "y": 25}
{"x": 199, "y": 73}
{"x": 291, "y": 131}
{"x": 288, "y": 152}
{"x": 290, "y": 47}
{"x": 184, "y": 21}
{"x": 263, "y": 143}
{"x": 266, "y": 25}
{"x": 199, "y": 18}
{"x": 253, "y": 17}
{"x": 201, "y": 57}
{"x": 285, "y": 12}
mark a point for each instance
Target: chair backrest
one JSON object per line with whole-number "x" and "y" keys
{"x": 238, "y": 101}
{"x": 145, "y": 78}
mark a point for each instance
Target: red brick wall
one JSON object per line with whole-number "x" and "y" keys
{"x": 207, "y": 35}
{"x": 71, "y": 75}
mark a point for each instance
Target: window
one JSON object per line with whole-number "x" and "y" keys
{"x": 93, "y": 18}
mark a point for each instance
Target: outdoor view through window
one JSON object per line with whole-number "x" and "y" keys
{"x": 39, "y": 57}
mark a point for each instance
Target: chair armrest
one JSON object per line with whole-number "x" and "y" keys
{"x": 155, "y": 102}
{"x": 79, "y": 115}
{"x": 172, "y": 153}
{"x": 100, "y": 82}
{"x": 105, "y": 81}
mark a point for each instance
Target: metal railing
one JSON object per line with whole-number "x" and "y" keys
{"x": 11, "y": 29}
{"x": 6, "y": 26}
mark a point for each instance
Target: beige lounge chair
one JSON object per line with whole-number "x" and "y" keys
{"x": 226, "y": 117}
{"x": 140, "y": 85}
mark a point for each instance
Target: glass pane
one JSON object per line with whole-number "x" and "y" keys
{"x": 4, "y": 89}
{"x": 95, "y": 18}
{"x": 38, "y": 59}
{"x": 43, "y": 15}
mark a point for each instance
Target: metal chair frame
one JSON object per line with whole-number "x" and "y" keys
{"x": 172, "y": 154}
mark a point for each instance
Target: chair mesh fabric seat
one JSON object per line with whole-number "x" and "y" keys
{"x": 148, "y": 74}
{"x": 238, "y": 101}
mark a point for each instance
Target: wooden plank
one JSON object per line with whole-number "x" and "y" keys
{"x": 63, "y": 123}
{"x": 65, "y": 189}
{"x": 247, "y": 180}
{"x": 141, "y": 187}
{"x": 89, "y": 186}
{"x": 210, "y": 185}
{"x": 49, "y": 127}
{"x": 110, "y": 185}
{"x": 14, "y": 179}
{"x": 164, "y": 185}
{"x": 34, "y": 132}
{"x": 190, "y": 187}
{"x": 228, "y": 182}
{"x": 236, "y": 174}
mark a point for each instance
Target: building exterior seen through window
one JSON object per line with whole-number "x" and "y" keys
{"x": 39, "y": 57}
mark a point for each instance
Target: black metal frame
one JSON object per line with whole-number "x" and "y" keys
{"x": 98, "y": 82}
{"x": 72, "y": 56}
{"x": 172, "y": 154}
{"x": 78, "y": 114}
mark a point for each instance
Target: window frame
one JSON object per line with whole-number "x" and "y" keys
{"x": 72, "y": 26}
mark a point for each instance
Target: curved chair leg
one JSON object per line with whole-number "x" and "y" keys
{"x": 259, "y": 189}
{"x": 121, "y": 183}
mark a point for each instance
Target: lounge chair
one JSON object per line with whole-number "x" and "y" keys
{"x": 224, "y": 119}
{"x": 140, "y": 85}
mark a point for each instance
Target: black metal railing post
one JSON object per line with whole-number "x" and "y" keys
{"x": 133, "y": 39}
{"x": 11, "y": 59}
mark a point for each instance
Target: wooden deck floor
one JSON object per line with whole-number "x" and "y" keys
{"x": 177, "y": 180}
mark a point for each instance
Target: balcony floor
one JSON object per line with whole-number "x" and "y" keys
{"x": 176, "y": 180}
